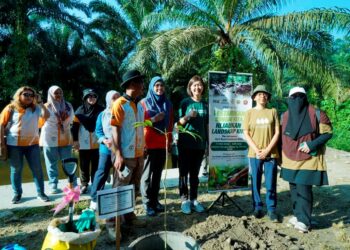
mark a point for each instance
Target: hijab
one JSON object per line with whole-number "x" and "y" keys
{"x": 87, "y": 113}
{"x": 157, "y": 103}
{"x": 107, "y": 114}
{"x": 299, "y": 123}
{"x": 59, "y": 108}
{"x": 109, "y": 97}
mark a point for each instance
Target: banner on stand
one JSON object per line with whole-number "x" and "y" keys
{"x": 229, "y": 99}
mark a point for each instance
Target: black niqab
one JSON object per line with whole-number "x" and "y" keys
{"x": 299, "y": 122}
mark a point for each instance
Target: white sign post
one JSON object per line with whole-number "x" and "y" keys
{"x": 114, "y": 203}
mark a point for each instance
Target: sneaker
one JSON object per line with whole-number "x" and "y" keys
{"x": 258, "y": 214}
{"x": 149, "y": 210}
{"x": 93, "y": 205}
{"x": 292, "y": 221}
{"x": 186, "y": 207}
{"x": 43, "y": 197}
{"x": 16, "y": 199}
{"x": 273, "y": 216}
{"x": 301, "y": 227}
{"x": 55, "y": 190}
{"x": 196, "y": 206}
{"x": 83, "y": 189}
{"x": 159, "y": 207}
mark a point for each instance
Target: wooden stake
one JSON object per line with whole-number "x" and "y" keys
{"x": 117, "y": 232}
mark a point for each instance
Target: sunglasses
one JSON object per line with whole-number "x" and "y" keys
{"x": 92, "y": 96}
{"x": 28, "y": 95}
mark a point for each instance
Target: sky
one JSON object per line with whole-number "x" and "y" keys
{"x": 292, "y": 5}
{"x": 301, "y": 5}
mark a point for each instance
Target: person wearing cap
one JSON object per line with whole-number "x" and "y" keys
{"x": 84, "y": 137}
{"x": 305, "y": 131}
{"x": 55, "y": 136}
{"x": 128, "y": 140}
{"x": 193, "y": 114}
{"x": 261, "y": 129}
{"x": 158, "y": 109}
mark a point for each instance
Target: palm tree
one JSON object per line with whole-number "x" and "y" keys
{"x": 121, "y": 27}
{"x": 20, "y": 18}
{"x": 294, "y": 41}
{"x": 66, "y": 58}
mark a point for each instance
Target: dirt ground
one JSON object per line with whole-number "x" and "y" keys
{"x": 223, "y": 227}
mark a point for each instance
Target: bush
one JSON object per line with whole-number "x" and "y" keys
{"x": 340, "y": 117}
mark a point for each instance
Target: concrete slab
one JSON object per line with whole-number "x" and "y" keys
{"x": 29, "y": 192}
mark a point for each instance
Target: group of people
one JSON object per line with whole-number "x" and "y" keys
{"x": 107, "y": 138}
{"x": 303, "y": 133}
{"x": 131, "y": 145}
{"x": 60, "y": 129}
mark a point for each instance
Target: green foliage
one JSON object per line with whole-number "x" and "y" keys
{"x": 16, "y": 69}
{"x": 340, "y": 118}
{"x": 245, "y": 31}
{"x": 341, "y": 59}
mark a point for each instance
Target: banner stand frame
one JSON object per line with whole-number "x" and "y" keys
{"x": 223, "y": 195}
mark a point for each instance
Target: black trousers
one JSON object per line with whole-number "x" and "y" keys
{"x": 302, "y": 200}
{"x": 189, "y": 165}
{"x": 88, "y": 158}
{"x": 151, "y": 175}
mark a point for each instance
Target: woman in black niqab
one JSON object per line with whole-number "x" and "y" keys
{"x": 298, "y": 123}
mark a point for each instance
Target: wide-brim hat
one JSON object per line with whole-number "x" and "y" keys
{"x": 131, "y": 75}
{"x": 260, "y": 88}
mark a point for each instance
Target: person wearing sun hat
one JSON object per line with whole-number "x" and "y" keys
{"x": 305, "y": 131}
{"x": 261, "y": 129}
{"x": 127, "y": 140}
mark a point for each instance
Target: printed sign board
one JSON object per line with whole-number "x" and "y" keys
{"x": 229, "y": 99}
{"x": 116, "y": 201}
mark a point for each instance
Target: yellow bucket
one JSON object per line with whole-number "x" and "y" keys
{"x": 57, "y": 240}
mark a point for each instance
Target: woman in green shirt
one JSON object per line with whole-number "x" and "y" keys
{"x": 193, "y": 113}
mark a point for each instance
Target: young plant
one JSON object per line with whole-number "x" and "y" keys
{"x": 181, "y": 129}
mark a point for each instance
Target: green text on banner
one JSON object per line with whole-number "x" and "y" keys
{"x": 229, "y": 99}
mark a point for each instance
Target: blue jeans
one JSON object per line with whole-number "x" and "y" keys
{"x": 52, "y": 157}
{"x": 269, "y": 167}
{"x": 101, "y": 175}
{"x": 32, "y": 154}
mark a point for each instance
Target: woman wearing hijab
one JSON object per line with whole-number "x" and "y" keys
{"x": 104, "y": 134}
{"x": 55, "y": 136}
{"x": 159, "y": 110}
{"x": 84, "y": 137}
{"x": 261, "y": 130}
{"x": 305, "y": 131}
{"x": 21, "y": 120}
